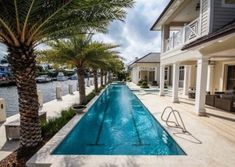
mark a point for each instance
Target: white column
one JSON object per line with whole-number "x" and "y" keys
{"x": 202, "y": 68}
{"x": 186, "y": 79}
{"x": 210, "y": 77}
{"x": 175, "y": 85}
{"x": 137, "y": 74}
{"x": 162, "y": 79}
{"x": 148, "y": 75}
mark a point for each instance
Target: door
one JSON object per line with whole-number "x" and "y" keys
{"x": 231, "y": 78}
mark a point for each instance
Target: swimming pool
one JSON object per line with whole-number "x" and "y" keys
{"x": 118, "y": 124}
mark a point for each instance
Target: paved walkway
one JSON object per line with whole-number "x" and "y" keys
{"x": 53, "y": 109}
{"x": 216, "y": 132}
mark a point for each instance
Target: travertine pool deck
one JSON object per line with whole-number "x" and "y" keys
{"x": 52, "y": 108}
{"x": 212, "y": 143}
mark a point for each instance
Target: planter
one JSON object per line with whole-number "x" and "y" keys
{"x": 78, "y": 108}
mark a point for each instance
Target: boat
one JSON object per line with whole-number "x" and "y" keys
{"x": 7, "y": 80}
{"x": 74, "y": 77}
{"x": 43, "y": 79}
{"x": 61, "y": 77}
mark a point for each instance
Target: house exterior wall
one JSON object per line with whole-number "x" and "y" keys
{"x": 141, "y": 68}
{"x": 221, "y": 14}
{"x": 220, "y": 77}
{"x": 193, "y": 76}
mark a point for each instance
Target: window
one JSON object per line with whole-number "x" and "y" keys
{"x": 228, "y": 3}
{"x": 231, "y": 78}
{"x": 181, "y": 73}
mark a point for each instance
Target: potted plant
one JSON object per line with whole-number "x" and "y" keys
{"x": 78, "y": 108}
{"x": 144, "y": 84}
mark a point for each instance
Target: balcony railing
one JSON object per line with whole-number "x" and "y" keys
{"x": 187, "y": 34}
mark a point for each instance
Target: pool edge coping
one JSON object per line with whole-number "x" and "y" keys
{"x": 44, "y": 156}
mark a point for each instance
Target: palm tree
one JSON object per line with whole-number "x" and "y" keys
{"x": 24, "y": 24}
{"x": 80, "y": 52}
{"x": 114, "y": 66}
{"x": 106, "y": 54}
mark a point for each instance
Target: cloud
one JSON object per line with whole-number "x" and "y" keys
{"x": 134, "y": 34}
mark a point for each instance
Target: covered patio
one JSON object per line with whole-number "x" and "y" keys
{"x": 208, "y": 68}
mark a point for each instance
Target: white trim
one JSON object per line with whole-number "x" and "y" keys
{"x": 226, "y": 5}
{"x": 200, "y": 17}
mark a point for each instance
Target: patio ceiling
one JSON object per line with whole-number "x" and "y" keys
{"x": 222, "y": 47}
{"x": 177, "y": 13}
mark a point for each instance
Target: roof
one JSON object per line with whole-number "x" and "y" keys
{"x": 149, "y": 58}
{"x": 226, "y": 30}
{"x": 162, "y": 14}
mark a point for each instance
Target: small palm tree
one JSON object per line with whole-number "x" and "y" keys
{"x": 80, "y": 52}
{"x": 24, "y": 24}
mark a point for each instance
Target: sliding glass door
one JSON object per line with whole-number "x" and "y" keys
{"x": 231, "y": 78}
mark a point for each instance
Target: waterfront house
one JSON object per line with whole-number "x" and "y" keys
{"x": 198, "y": 39}
{"x": 146, "y": 68}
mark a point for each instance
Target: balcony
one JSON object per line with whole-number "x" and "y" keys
{"x": 187, "y": 34}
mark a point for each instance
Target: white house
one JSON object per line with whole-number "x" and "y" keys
{"x": 146, "y": 68}
{"x": 199, "y": 37}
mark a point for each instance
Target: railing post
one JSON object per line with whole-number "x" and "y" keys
{"x": 58, "y": 93}
{"x": 2, "y": 110}
{"x": 87, "y": 83}
{"x": 70, "y": 89}
{"x": 40, "y": 98}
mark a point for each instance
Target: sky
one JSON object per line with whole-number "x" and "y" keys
{"x": 134, "y": 35}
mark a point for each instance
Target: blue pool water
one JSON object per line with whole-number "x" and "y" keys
{"x": 118, "y": 124}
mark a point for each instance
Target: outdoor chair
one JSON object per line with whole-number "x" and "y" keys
{"x": 210, "y": 100}
{"x": 225, "y": 103}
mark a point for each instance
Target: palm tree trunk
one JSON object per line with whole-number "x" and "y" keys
{"x": 23, "y": 65}
{"x": 95, "y": 79}
{"x": 81, "y": 85}
{"x": 101, "y": 78}
{"x": 105, "y": 78}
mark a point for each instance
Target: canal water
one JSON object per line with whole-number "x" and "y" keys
{"x": 48, "y": 90}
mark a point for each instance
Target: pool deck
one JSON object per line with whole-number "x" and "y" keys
{"x": 52, "y": 108}
{"x": 212, "y": 143}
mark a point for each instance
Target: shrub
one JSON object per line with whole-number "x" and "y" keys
{"x": 53, "y": 125}
{"x": 154, "y": 83}
{"x": 144, "y": 85}
{"x": 90, "y": 96}
{"x": 140, "y": 82}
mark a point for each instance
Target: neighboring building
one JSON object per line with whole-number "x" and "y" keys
{"x": 198, "y": 39}
{"x": 146, "y": 68}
